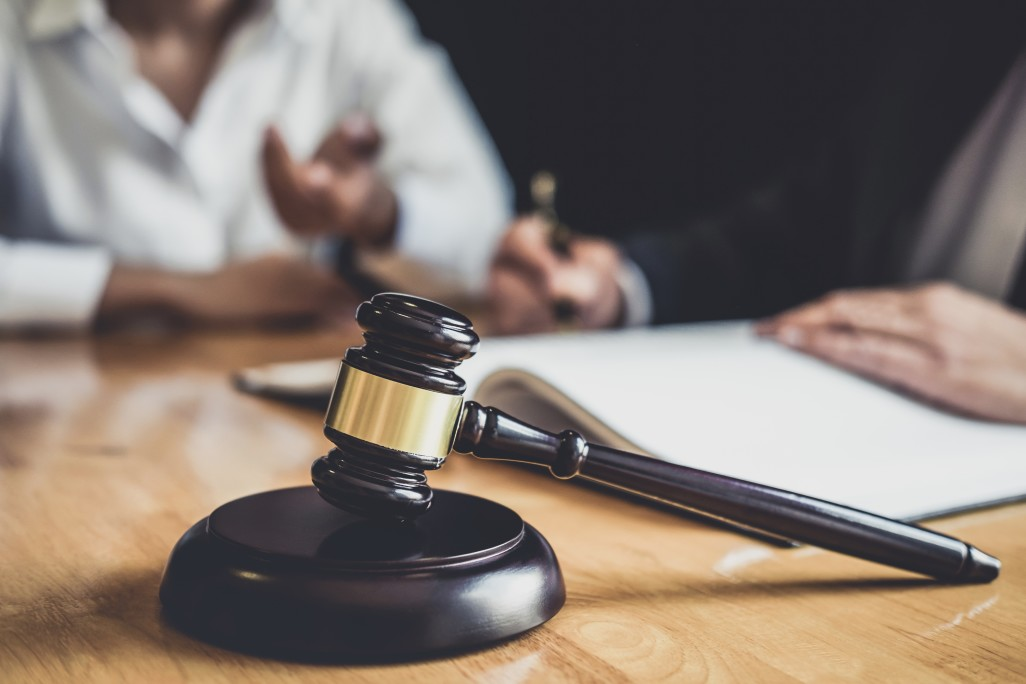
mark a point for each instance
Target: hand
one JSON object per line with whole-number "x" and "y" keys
{"x": 528, "y": 278}
{"x": 339, "y": 191}
{"x": 938, "y": 342}
{"x": 270, "y": 289}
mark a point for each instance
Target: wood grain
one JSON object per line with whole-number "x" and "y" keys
{"x": 111, "y": 447}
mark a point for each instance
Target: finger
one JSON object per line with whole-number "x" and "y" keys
{"x": 575, "y": 283}
{"x": 891, "y": 360}
{"x": 573, "y": 295}
{"x": 598, "y": 253}
{"x": 323, "y": 192}
{"x": 525, "y": 249}
{"x": 354, "y": 141}
{"x": 362, "y": 135}
{"x": 317, "y": 177}
{"x": 592, "y": 292}
{"x": 286, "y": 183}
{"x": 891, "y": 312}
{"x": 279, "y": 168}
{"x": 517, "y": 306}
{"x": 341, "y": 200}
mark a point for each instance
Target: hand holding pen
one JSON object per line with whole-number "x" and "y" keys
{"x": 542, "y": 271}
{"x": 543, "y": 194}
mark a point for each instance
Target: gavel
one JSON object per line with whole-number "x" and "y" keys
{"x": 397, "y": 410}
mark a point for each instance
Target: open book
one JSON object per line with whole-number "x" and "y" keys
{"x": 715, "y": 397}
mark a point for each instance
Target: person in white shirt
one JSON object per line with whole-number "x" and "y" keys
{"x": 188, "y": 157}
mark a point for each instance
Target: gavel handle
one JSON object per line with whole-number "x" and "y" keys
{"x": 491, "y": 434}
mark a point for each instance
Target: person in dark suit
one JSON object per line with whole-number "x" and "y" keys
{"x": 895, "y": 252}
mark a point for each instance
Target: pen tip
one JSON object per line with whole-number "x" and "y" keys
{"x": 979, "y": 567}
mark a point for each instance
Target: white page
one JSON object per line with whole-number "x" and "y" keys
{"x": 715, "y": 397}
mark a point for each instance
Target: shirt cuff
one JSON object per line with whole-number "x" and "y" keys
{"x": 637, "y": 296}
{"x": 456, "y": 246}
{"x": 51, "y": 285}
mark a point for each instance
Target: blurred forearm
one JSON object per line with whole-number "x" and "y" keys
{"x": 133, "y": 291}
{"x": 777, "y": 247}
{"x": 265, "y": 290}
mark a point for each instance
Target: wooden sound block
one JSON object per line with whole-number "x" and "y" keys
{"x": 285, "y": 574}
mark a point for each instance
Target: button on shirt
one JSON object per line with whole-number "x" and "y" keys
{"x": 97, "y": 168}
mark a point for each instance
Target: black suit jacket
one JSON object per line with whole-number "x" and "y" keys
{"x": 846, "y": 217}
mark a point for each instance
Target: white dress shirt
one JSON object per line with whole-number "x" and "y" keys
{"x": 97, "y": 168}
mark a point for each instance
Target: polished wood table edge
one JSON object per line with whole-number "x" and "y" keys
{"x": 112, "y": 446}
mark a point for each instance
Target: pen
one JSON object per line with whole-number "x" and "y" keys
{"x": 543, "y": 194}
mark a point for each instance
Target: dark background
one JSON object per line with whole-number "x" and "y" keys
{"x": 652, "y": 110}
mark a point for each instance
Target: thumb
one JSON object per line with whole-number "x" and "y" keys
{"x": 285, "y": 180}
{"x": 279, "y": 168}
{"x": 354, "y": 141}
{"x": 319, "y": 177}
{"x": 573, "y": 282}
{"x": 592, "y": 291}
{"x": 361, "y": 135}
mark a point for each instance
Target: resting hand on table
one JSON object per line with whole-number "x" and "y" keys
{"x": 938, "y": 342}
{"x": 265, "y": 290}
{"x": 528, "y": 278}
{"x": 339, "y": 191}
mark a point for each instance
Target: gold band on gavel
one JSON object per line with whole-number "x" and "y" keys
{"x": 393, "y": 415}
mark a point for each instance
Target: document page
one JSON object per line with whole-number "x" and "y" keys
{"x": 716, "y": 397}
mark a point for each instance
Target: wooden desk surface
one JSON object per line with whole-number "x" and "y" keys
{"x": 111, "y": 448}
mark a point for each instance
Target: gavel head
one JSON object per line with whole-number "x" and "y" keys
{"x": 395, "y": 408}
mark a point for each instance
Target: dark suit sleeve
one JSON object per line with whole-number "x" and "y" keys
{"x": 848, "y": 215}
{"x": 781, "y": 245}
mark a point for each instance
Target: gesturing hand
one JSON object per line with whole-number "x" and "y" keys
{"x": 337, "y": 192}
{"x": 938, "y": 342}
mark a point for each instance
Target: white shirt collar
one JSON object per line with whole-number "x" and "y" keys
{"x": 51, "y": 18}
